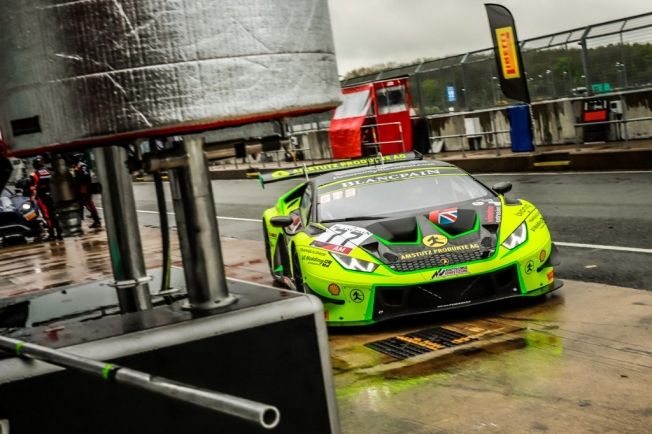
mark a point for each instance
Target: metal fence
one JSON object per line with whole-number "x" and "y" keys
{"x": 599, "y": 58}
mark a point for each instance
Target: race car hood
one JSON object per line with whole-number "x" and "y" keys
{"x": 436, "y": 238}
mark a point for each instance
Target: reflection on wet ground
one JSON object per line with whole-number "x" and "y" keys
{"x": 31, "y": 267}
{"x": 580, "y": 361}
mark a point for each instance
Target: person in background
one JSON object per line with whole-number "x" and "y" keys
{"x": 83, "y": 183}
{"x": 40, "y": 193}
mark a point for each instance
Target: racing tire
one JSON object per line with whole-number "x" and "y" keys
{"x": 277, "y": 281}
{"x": 297, "y": 276}
{"x": 268, "y": 248}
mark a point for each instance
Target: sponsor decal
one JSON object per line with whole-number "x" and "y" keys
{"x": 507, "y": 52}
{"x": 280, "y": 174}
{"x": 450, "y": 272}
{"x": 318, "y": 168}
{"x": 349, "y": 192}
{"x": 443, "y": 216}
{"x": 459, "y": 303}
{"x": 444, "y": 261}
{"x": 325, "y": 198}
{"x": 538, "y": 225}
{"x": 529, "y": 267}
{"x": 29, "y": 217}
{"x": 315, "y": 260}
{"x": 314, "y": 252}
{"x": 494, "y": 213}
{"x": 551, "y": 275}
{"x": 491, "y": 214}
{"x": 337, "y": 195}
{"x": 332, "y": 247}
{"x": 434, "y": 241}
{"x": 356, "y": 296}
{"x": 525, "y": 209}
{"x": 391, "y": 177}
{"x": 542, "y": 256}
{"x": 487, "y": 201}
{"x": 432, "y": 252}
{"x": 334, "y": 289}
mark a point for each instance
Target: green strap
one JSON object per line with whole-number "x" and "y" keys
{"x": 19, "y": 348}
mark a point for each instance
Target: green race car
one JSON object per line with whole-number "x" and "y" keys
{"x": 389, "y": 236}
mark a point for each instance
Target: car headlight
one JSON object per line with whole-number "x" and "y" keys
{"x": 518, "y": 237}
{"x": 354, "y": 264}
{"x": 25, "y": 207}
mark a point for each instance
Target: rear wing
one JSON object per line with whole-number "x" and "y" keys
{"x": 318, "y": 169}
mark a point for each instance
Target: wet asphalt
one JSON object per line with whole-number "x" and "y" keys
{"x": 596, "y": 209}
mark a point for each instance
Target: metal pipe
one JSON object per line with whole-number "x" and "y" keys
{"x": 214, "y": 154}
{"x": 163, "y": 160}
{"x": 165, "y": 233}
{"x": 266, "y": 415}
{"x": 585, "y": 58}
{"x": 199, "y": 237}
{"x": 122, "y": 231}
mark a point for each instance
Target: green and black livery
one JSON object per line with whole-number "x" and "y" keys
{"x": 378, "y": 238}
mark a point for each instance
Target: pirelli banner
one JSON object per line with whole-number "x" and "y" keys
{"x": 508, "y": 55}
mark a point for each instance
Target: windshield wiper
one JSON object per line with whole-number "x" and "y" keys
{"x": 350, "y": 219}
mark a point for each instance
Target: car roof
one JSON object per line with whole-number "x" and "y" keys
{"x": 327, "y": 178}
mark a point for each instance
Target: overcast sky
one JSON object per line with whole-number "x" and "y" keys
{"x": 369, "y": 32}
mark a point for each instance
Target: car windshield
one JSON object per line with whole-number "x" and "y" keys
{"x": 378, "y": 195}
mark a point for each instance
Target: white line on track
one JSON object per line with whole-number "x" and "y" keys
{"x": 613, "y": 172}
{"x": 559, "y": 243}
{"x": 602, "y": 247}
{"x": 142, "y": 211}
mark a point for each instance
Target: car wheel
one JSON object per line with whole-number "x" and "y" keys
{"x": 297, "y": 276}
{"x": 268, "y": 248}
{"x": 284, "y": 259}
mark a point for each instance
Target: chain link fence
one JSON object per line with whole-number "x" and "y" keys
{"x": 600, "y": 58}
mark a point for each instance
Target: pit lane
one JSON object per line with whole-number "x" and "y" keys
{"x": 578, "y": 361}
{"x": 595, "y": 210}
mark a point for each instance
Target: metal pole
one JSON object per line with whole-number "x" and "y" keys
{"x": 585, "y": 59}
{"x": 265, "y": 415}
{"x": 65, "y": 198}
{"x": 199, "y": 237}
{"x": 624, "y": 120}
{"x": 493, "y": 132}
{"x": 122, "y": 229}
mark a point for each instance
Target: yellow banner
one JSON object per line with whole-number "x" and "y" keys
{"x": 507, "y": 52}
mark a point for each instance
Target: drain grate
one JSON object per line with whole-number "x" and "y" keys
{"x": 424, "y": 341}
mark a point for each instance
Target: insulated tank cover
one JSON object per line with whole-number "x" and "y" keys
{"x": 83, "y": 73}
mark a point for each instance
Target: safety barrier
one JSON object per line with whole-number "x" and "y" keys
{"x": 623, "y": 121}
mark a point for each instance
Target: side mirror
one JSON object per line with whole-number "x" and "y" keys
{"x": 502, "y": 187}
{"x": 281, "y": 221}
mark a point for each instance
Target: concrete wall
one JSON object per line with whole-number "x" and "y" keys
{"x": 553, "y": 121}
{"x": 553, "y": 124}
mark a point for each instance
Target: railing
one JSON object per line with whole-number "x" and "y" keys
{"x": 377, "y": 144}
{"x": 494, "y": 134}
{"x": 622, "y": 121}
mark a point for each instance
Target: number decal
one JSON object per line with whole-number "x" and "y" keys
{"x": 344, "y": 235}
